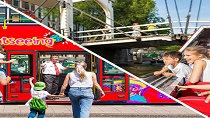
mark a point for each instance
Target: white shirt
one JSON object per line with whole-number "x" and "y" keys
{"x": 206, "y": 72}
{"x": 75, "y": 80}
{"x": 40, "y": 94}
{"x": 181, "y": 70}
{"x": 49, "y": 68}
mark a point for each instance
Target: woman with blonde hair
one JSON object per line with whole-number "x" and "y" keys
{"x": 198, "y": 58}
{"x": 80, "y": 92}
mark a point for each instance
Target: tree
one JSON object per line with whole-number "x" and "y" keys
{"x": 129, "y": 11}
{"x": 126, "y": 12}
{"x": 53, "y": 14}
{"x": 91, "y": 8}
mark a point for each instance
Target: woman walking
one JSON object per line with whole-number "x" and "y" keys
{"x": 80, "y": 92}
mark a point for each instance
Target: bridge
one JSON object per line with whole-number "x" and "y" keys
{"x": 126, "y": 40}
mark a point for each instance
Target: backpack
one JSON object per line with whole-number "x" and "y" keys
{"x": 37, "y": 104}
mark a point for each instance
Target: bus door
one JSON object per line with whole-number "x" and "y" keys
{"x": 114, "y": 82}
{"x": 20, "y": 71}
{"x": 66, "y": 59}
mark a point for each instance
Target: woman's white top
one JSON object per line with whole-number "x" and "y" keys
{"x": 76, "y": 81}
{"x": 205, "y": 77}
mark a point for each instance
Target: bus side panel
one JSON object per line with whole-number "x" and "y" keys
{"x": 114, "y": 85}
{"x": 142, "y": 93}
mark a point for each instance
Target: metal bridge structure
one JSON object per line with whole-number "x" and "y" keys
{"x": 115, "y": 35}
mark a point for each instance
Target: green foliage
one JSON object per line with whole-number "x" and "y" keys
{"x": 129, "y": 11}
{"x": 55, "y": 13}
{"x": 168, "y": 48}
{"x": 91, "y": 8}
{"x": 151, "y": 55}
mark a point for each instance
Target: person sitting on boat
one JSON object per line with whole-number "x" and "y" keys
{"x": 171, "y": 60}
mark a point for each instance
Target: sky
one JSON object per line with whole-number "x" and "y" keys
{"x": 183, "y": 8}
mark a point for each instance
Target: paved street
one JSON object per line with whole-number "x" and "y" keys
{"x": 106, "y": 111}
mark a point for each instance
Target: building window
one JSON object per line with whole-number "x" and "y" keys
{"x": 16, "y": 3}
{"x": 2, "y": 14}
{"x": 27, "y": 6}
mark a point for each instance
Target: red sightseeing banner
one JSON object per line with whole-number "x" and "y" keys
{"x": 33, "y": 37}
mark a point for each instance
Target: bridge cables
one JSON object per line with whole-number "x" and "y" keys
{"x": 178, "y": 16}
{"x": 199, "y": 8}
{"x": 169, "y": 18}
{"x": 188, "y": 18}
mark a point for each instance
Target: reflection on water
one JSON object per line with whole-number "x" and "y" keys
{"x": 142, "y": 69}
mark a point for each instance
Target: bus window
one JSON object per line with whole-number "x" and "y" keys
{"x": 65, "y": 60}
{"x": 111, "y": 70}
{"x": 2, "y": 14}
{"x": 21, "y": 65}
{"x": 114, "y": 84}
{"x": 16, "y": 17}
{"x": 113, "y": 79}
{"x": 71, "y": 60}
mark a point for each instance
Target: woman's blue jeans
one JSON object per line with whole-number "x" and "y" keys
{"x": 33, "y": 113}
{"x": 81, "y": 101}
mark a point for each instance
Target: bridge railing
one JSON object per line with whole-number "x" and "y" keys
{"x": 97, "y": 34}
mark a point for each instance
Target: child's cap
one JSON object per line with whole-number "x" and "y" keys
{"x": 1, "y": 56}
{"x": 39, "y": 86}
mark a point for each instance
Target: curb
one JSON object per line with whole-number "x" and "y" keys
{"x": 105, "y": 115}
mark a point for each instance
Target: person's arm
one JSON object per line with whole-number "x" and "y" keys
{"x": 5, "y": 81}
{"x": 62, "y": 67}
{"x": 156, "y": 73}
{"x": 55, "y": 96}
{"x": 167, "y": 74}
{"x": 65, "y": 68}
{"x": 203, "y": 87}
{"x": 95, "y": 83}
{"x": 197, "y": 71}
{"x": 65, "y": 84}
{"x": 4, "y": 62}
{"x": 31, "y": 81}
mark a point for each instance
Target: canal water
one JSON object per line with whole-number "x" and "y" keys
{"x": 142, "y": 69}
